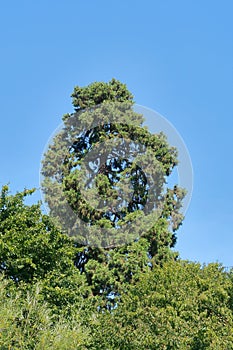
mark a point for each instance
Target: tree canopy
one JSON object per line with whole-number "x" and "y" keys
{"x": 58, "y": 291}
{"x": 93, "y": 156}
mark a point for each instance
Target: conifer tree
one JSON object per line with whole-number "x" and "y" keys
{"x": 104, "y": 181}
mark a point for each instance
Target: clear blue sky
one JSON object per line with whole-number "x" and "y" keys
{"x": 175, "y": 56}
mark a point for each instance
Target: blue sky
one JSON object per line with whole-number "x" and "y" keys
{"x": 176, "y": 57}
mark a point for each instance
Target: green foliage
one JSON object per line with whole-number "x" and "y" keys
{"x": 177, "y": 306}
{"x": 101, "y": 257}
{"x": 118, "y": 301}
{"x": 56, "y": 293}
{"x": 30, "y": 244}
{"x": 32, "y": 249}
{"x": 98, "y": 92}
{"x": 27, "y": 323}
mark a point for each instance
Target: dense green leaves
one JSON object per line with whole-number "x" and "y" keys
{"x": 30, "y": 244}
{"x": 27, "y": 323}
{"x": 98, "y": 92}
{"x": 177, "y": 306}
{"x": 58, "y": 293}
{"x": 103, "y": 195}
{"x": 116, "y": 299}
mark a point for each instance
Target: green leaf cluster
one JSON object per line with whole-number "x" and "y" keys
{"x": 180, "y": 305}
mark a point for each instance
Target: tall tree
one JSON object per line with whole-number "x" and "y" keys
{"x": 104, "y": 180}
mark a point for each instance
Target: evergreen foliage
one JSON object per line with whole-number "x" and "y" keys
{"x": 57, "y": 293}
{"x": 102, "y": 257}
